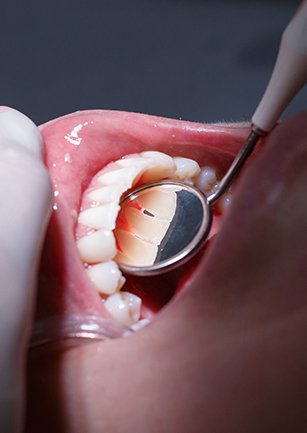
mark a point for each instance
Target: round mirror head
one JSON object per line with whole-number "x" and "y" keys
{"x": 160, "y": 226}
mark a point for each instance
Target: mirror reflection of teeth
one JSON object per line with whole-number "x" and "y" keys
{"x": 104, "y": 237}
{"x": 144, "y": 226}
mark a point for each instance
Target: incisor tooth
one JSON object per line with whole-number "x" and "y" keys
{"x": 185, "y": 168}
{"x": 103, "y": 216}
{"x": 106, "y": 277}
{"x": 99, "y": 246}
{"x": 125, "y": 176}
{"x": 124, "y": 307}
{"x": 162, "y": 166}
{"x": 107, "y": 194}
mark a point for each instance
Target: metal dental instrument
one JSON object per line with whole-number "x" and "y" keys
{"x": 185, "y": 224}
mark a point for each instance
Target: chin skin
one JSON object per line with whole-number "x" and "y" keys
{"x": 226, "y": 354}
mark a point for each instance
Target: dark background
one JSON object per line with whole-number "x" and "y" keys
{"x": 191, "y": 59}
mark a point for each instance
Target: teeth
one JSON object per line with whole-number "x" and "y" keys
{"x": 140, "y": 324}
{"x": 124, "y": 307}
{"x": 106, "y": 194}
{"x": 103, "y": 216}
{"x": 224, "y": 202}
{"x": 186, "y": 168}
{"x": 163, "y": 166}
{"x": 106, "y": 277}
{"x": 99, "y": 246}
{"x": 125, "y": 176}
{"x": 206, "y": 179}
{"x": 133, "y": 233}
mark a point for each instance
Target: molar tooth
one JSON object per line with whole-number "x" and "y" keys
{"x": 99, "y": 246}
{"x": 103, "y": 216}
{"x": 206, "y": 179}
{"x": 163, "y": 166}
{"x": 224, "y": 202}
{"x": 106, "y": 277}
{"x": 185, "y": 168}
{"x": 124, "y": 307}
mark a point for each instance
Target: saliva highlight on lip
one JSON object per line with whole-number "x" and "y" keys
{"x": 190, "y": 213}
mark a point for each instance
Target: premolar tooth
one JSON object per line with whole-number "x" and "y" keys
{"x": 185, "y": 168}
{"x": 124, "y": 307}
{"x": 163, "y": 166}
{"x": 103, "y": 216}
{"x": 99, "y": 246}
{"x": 106, "y": 277}
{"x": 206, "y": 179}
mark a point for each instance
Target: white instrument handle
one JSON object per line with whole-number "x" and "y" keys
{"x": 289, "y": 74}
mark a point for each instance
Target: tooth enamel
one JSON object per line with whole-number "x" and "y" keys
{"x": 107, "y": 194}
{"x": 103, "y": 216}
{"x": 106, "y": 277}
{"x": 206, "y": 179}
{"x": 163, "y": 166}
{"x": 224, "y": 202}
{"x": 138, "y": 250}
{"x": 185, "y": 168}
{"x": 17, "y": 128}
{"x": 140, "y": 324}
{"x": 124, "y": 307}
{"x": 125, "y": 176}
{"x": 99, "y": 246}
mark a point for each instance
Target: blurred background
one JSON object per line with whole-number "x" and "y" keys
{"x": 192, "y": 59}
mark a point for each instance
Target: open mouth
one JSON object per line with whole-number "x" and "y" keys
{"x": 93, "y": 157}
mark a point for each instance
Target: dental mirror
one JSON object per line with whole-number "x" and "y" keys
{"x": 161, "y": 225}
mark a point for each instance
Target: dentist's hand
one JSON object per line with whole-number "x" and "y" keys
{"x": 25, "y": 197}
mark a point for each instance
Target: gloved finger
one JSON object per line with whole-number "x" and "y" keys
{"x": 25, "y": 197}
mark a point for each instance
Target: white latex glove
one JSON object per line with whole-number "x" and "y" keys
{"x": 25, "y": 200}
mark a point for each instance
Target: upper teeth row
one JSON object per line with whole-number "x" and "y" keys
{"x": 97, "y": 219}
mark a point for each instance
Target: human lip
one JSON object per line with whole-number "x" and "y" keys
{"x": 77, "y": 147}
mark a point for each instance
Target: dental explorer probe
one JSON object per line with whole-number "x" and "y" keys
{"x": 191, "y": 216}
